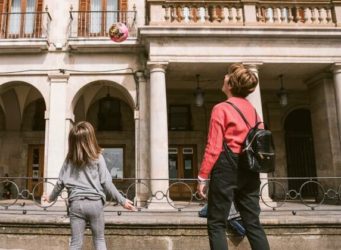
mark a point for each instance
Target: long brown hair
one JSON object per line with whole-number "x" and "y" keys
{"x": 83, "y": 147}
{"x": 242, "y": 80}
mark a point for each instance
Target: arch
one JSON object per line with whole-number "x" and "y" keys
{"x": 33, "y": 117}
{"x": 125, "y": 95}
{"x": 15, "y": 96}
{"x": 12, "y": 84}
{"x": 300, "y": 152}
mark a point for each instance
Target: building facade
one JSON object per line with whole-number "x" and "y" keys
{"x": 150, "y": 97}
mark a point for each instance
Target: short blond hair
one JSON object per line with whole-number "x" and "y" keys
{"x": 83, "y": 146}
{"x": 241, "y": 80}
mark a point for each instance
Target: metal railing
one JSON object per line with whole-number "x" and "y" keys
{"x": 29, "y": 25}
{"x": 88, "y": 24}
{"x": 277, "y": 194}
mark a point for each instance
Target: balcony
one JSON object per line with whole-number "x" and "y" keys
{"x": 244, "y": 13}
{"x": 88, "y": 30}
{"x": 24, "y": 32}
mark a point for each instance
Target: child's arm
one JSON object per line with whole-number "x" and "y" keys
{"x": 58, "y": 187}
{"x": 109, "y": 187}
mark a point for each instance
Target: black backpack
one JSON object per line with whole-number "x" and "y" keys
{"x": 258, "y": 151}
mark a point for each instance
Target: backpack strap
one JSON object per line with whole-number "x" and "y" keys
{"x": 242, "y": 115}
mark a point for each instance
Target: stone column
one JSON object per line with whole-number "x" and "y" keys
{"x": 158, "y": 135}
{"x": 256, "y": 100}
{"x": 142, "y": 142}
{"x": 337, "y": 88}
{"x": 56, "y": 126}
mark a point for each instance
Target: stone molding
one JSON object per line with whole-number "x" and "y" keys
{"x": 157, "y": 66}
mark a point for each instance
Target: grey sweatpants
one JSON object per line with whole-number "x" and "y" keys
{"x": 81, "y": 212}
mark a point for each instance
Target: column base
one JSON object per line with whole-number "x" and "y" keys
{"x": 162, "y": 204}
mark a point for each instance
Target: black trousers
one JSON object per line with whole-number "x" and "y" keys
{"x": 230, "y": 183}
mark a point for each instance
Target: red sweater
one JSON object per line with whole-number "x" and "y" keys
{"x": 226, "y": 123}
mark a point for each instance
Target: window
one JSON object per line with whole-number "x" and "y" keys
{"x": 114, "y": 157}
{"x": 179, "y": 117}
{"x": 96, "y": 16}
{"x": 23, "y": 19}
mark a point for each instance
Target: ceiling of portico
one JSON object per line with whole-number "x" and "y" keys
{"x": 183, "y": 75}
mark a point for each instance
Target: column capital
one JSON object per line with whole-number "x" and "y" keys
{"x": 336, "y": 68}
{"x": 157, "y": 66}
{"x": 58, "y": 78}
{"x": 253, "y": 66}
{"x": 140, "y": 75}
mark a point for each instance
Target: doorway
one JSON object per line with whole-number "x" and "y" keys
{"x": 181, "y": 165}
{"x": 300, "y": 151}
{"x": 35, "y": 169}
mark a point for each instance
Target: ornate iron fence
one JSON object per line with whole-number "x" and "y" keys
{"x": 276, "y": 194}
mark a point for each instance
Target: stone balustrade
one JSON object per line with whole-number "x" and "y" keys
{"x": 295, "y": 14}
{"x": 244, "y": 13}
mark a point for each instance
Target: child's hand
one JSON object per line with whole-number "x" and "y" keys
{"x": 45, "y": 198}
{"x": 129, "y": 205}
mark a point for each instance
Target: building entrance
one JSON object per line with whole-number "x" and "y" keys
{"x": 300, "y": 152}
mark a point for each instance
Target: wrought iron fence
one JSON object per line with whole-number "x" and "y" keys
{"x": 88, "y": 24}
{"x": 277, "y": 194}
{"x": 28, "y": 25}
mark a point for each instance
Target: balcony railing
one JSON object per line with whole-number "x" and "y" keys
{"x": 89, "y": 24}
{"x": 29, "y": 25}
{"x": 203, "y": 14}
{"x": 295, "y": 14}
{"x": 278, "y": 194}
{"x": 263, "y": 13}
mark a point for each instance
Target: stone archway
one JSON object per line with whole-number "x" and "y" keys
{"x": 111, "y": 113}
{"x": 22, "y": 126}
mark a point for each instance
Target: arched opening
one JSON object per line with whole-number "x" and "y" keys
{"x": 22, "y": 128}
{"x": 106, "y": 107}
{"x": 300, "y": 151}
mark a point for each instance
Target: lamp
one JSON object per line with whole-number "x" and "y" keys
{"x": 199, "y": 93}
{"x": 282, "y": 93}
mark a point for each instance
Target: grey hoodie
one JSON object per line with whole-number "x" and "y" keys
{"x": 92, "y": 181}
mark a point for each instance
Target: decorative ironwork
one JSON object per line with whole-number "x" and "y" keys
{"x": 25, "y": 25}
{"x": 92, "y": 24}
{"x": 274, "y": 194}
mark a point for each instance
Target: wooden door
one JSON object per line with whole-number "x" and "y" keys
{"x": 182, "y": 165}
{"x": 35, "y": 169}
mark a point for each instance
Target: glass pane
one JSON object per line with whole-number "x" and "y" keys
{"x": 14, "y": 20}
{"x": 114, "y": 160}
{"x": 179, "y": 118}
{"x": 111, "y": 13}
{"x": 29, "y": 18}
{"x": 96, "y": 16}
{"x": 173, "y": 166}
{"x": 188, "y": 166}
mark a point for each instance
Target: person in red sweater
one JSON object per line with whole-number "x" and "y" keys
{"x": 228, "y": 182}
